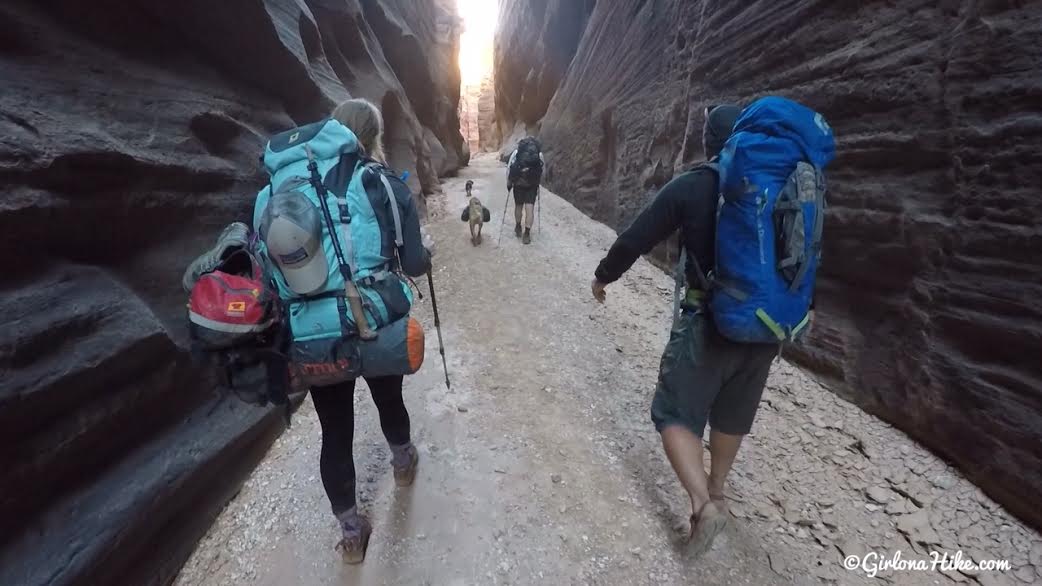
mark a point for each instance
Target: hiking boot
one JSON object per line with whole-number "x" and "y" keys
{"x": 404, "y": 461}
{"x": 705, "y": 526}
{"x": 357, "y": 530}
{"x": 517, "y": 230}
{"x": 232, "y": 238}
{"x": 527, "y": 239}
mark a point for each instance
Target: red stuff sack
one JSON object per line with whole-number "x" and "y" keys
{"x": 232, "y": 306}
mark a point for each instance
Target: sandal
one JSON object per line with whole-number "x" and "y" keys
{"x": 705, "y": 526}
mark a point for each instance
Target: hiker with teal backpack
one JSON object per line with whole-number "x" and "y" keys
{"x": 750, "y": 221}
{"x": 339, "y": 228}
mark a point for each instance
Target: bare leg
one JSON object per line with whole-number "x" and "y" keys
{"x": 684, "y": 450}
{"x": 529, "y": 215}
{"x": 517, "y": 212}
{"x": 724, "y": 448}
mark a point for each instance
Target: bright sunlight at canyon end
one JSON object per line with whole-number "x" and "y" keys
{"x": 479, "y": 22}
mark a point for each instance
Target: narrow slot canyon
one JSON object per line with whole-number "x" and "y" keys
{"x": 908, "y": 419}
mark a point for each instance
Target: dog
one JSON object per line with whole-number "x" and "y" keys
{"x": 475, "y": 214}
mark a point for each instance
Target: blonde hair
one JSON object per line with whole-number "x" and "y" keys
{"x": 364, "y": 119}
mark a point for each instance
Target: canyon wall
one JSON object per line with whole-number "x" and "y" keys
{"x": 129, "y": 136}
{"x": 470, "y": 96}
{"x": 478, "y": 114}
{"x": 535, "y": 42}
{"x": 928, "y": 307}
{"x": 489, "y": 138}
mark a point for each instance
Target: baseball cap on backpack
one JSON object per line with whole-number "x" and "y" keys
{"x": 291, "y": 228}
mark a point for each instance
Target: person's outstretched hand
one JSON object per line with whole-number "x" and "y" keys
{"x": 599, "y": 292}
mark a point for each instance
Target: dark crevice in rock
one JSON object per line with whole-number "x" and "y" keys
{"x": 21, "y": 123}
{"x": 216, "y": 130}
{"x": 406, "y": 57}
{"x": 106, "y": 172}
{"x": 310, "y": 38}
{"x": 342, "y": 42}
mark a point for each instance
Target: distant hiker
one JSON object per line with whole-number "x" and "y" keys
{"x": 475, "y": 214}
{"x": 524, "y": 172}
{"x": 735, "y": 315}
{"x": 335, "y": 217}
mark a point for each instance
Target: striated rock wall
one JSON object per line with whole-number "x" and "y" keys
{"x": 470, "y": 97}
{"x": 489, "y": 138}
{"x": 535, "y": 42}
{"x": 929, "y": 311}
{"x": 129, "y": 135}
{"x": 420, "y": 42}
{"x": 478, "y": 116}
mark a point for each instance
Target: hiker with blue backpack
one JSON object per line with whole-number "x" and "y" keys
{"x": 339, "y": 228}
{"x": 750, "y": 221}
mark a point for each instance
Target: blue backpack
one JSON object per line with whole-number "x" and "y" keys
{"x": 361, "y": 236}
{"x": 769, "y": 221}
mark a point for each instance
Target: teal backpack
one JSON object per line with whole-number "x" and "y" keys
{"x": 361, "y": 237}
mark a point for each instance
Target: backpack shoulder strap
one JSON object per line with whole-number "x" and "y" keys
{"x": 680, "y": 271}
{"x": 679, "y": 278}
{"x": 392, "y": 201}
{"x": 717, "y": 282}
{"x": 713, "y": 166}
{"x": 703, "y": 281}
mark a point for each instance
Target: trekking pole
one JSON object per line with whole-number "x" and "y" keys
{"x": 538, "y": 211}
{"x": 506, "y": 206}
{"x": 437, "y": 326}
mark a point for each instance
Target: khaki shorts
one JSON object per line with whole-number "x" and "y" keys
{"x": 706, "y": 377}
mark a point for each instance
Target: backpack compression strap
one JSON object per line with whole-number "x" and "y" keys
{"x": 819, "y": 225}
{"x": 395, "y": 212}
{"x": 716, "y": 282}
{"x": 345, "y": 215}
{"x": 392, "y": 201}
{"x": 703, "y": 281}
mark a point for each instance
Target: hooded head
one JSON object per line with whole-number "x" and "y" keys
{"x": 718, "y": 125}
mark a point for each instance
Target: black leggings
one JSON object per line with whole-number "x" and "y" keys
{"x": 336, "y": 412}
